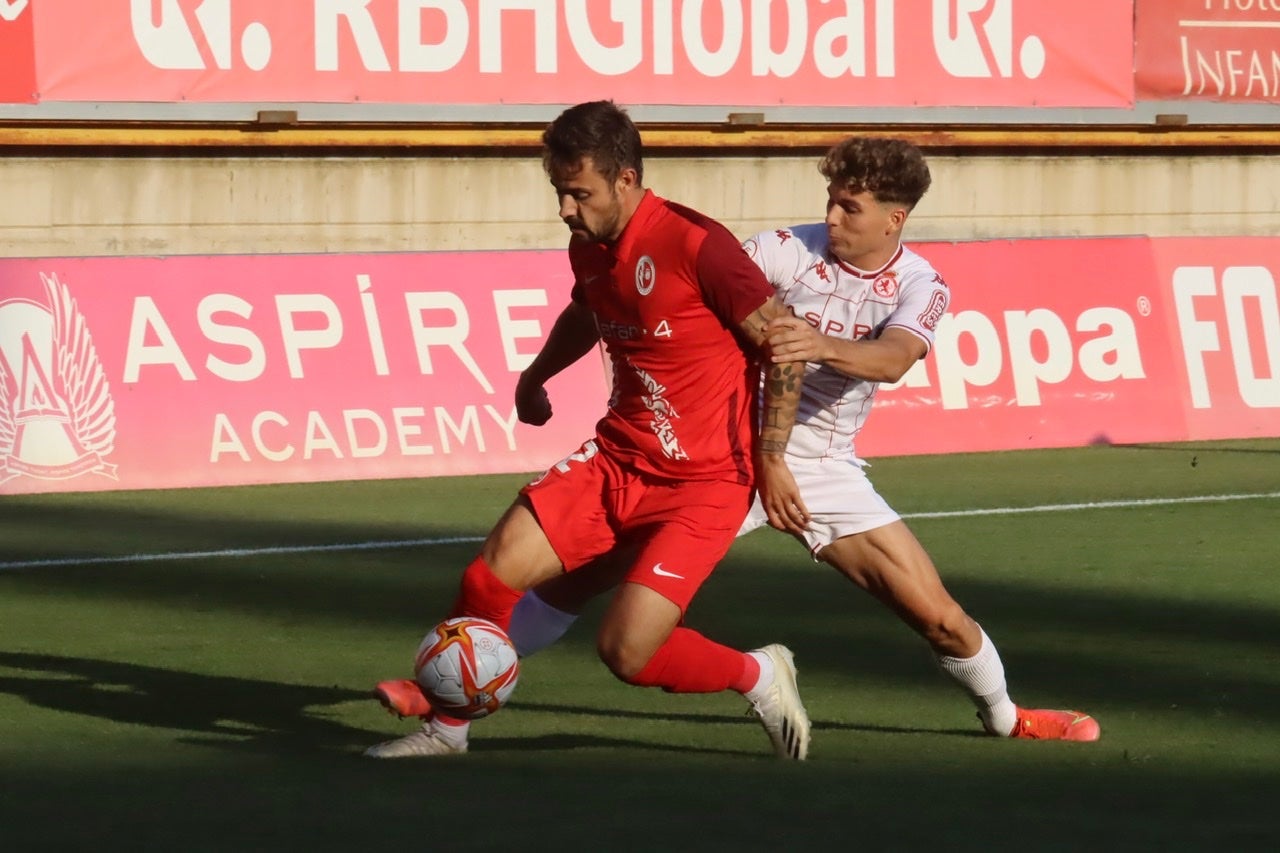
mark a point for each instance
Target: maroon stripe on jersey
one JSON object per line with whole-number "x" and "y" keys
{"x": 863, "y": 273}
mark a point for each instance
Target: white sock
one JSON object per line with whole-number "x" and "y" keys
{"x": 536, "y": 624}
{"x": 755, "y": 694}
{"x": 453, "y": 732}
{"x": 982, "y": 677}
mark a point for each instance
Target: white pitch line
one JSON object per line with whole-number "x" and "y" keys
{"x": 458, "y": 540}
{"x": 1014, "y": 510}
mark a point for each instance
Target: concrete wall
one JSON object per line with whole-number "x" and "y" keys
{"x": 55, "y": 206}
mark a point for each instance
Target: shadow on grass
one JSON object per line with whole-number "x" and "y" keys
{"x": 164, "y": 698}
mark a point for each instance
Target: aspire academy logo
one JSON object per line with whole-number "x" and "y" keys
{"x": 57, "y": 419}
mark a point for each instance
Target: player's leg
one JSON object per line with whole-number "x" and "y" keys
{"x": 890, "y": 563}
{"x": 642, "y": 639}
{"x": 518, "y": 553}
{"x": 545, "y": 613}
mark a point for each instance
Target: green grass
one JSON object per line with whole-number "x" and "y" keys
{"x": 219, "y": 703}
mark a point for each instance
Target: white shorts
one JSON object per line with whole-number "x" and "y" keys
{"x": 840, "y": 499}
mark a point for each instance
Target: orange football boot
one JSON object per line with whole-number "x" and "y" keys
{"x": 1040, "y": 724}
{"x": 403, "y": 697}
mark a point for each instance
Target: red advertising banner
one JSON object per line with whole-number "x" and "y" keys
{"x": 17, "y": 53}
{"x": 1222, "y": 50}
{"x": 680, "y": 52}
{"x": 127, "y": 373}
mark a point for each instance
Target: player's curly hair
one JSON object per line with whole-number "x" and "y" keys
{"x": 600, "y": 130}
{"x": 892, "y": 170}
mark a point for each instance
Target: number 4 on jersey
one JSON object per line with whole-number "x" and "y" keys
{"x": 663, "y": 330}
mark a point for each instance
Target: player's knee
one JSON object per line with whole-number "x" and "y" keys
{"x": 951, "y": 632}
{"x": 624, "y": 661}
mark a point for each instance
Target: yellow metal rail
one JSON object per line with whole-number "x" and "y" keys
{"x": 276, "y": 131}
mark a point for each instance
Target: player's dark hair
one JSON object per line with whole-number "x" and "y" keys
{"x": 892, "y": 170}
{"x": 600, "y": 130}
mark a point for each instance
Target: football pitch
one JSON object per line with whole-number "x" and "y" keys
{"x": 189, "y": 670}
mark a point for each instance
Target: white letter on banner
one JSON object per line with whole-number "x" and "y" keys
{"x": 962, "y": 55}
{"x": 224, "y": 303}
{"x": 362, "y": 28}
{"x": 256, "y": 429}
{"x": 1020, "y": 326}
{"x": 379, "y": 447}
{"x": 850, "y": 30}
{"x": 169, "y": 44}
{"x": 294, "y": 340}
{"x": 509, "y": 330}
{"x": 1115, "y": 356}
{"x": 443, "y": 55}
{"x": 137, "y": 352}
{"x": 404, "y": 430}
{"x": 1238, "y": 284}
{"x": 607, "y": 60}
{"x": 319, "y": 437}
{"x": 470, "y": 422}
{"x": 664, "y": 28}
{"x": 508, "y": 424}
{"x": 454, "y": 336}
{"x": 225, "y": 439}
{"x": 544, "y": 33}
{"x": 764, "y": 60}
{"x": 1198, "y": 336}
{"x": 954, "y": 374}
{"x": 712, "y": 63}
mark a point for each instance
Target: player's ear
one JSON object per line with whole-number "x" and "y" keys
{"x": 628, "y": 178}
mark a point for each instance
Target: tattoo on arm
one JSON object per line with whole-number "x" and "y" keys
{"x": 782, "y": 392}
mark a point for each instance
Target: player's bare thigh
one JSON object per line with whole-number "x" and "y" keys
{"x": 636, "y": 623}
{"x": 517, "y": 550}
{"x": 891, "y": 564}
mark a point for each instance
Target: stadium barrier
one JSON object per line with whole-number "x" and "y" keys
{"x": 134, "y": 373}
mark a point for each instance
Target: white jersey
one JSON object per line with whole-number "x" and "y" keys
{"x": 843, "y": 301}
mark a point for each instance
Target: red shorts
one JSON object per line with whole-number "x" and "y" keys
{"x": 588, "y": 503}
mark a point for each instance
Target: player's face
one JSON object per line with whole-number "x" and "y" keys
{"x": 863, "y": 232}
{"x": 590, "y": 204}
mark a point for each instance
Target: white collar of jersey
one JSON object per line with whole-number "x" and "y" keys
{"x": 850, "y": 268}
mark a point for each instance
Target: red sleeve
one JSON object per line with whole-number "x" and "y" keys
{"x": 732, "y": 285}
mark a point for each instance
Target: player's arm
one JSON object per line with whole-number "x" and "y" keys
{"x": 783, "y": 381}
{"x": 574, "y": 335}
{"x": 883, "y": 359}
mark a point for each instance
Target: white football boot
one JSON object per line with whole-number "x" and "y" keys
{"x": 779, "y": 708}
{"x": 425, "y": 742}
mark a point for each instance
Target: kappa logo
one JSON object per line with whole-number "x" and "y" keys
{"x": 11, "y": 9}
{"x": 646, "y": 275}
{"x": 57, "y": 419}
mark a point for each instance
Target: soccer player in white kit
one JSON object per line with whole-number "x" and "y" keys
{"x": 864, "y": 310}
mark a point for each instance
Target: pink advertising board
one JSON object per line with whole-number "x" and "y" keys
{"x": 1015, "y": 53}
{"x": 160, "y": 372}
{"x": 129, "y": 373}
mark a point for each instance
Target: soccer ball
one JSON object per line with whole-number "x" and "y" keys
{"x": 467, "y": 667}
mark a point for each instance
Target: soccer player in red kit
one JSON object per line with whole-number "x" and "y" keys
{"x": 668, "y": 477}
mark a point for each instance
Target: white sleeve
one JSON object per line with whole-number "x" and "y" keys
{"x": 925, "y": 297}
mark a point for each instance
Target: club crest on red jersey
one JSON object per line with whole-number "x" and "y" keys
{"x": 646, "y": 275}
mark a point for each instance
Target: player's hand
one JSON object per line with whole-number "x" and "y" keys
{"x": 533, "y": 406}
{"x": 779, "y": 494}
{"x": 792, "y": 339}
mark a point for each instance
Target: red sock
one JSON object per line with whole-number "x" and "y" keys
{"x": 690, "y": 663}
{"x": 484, "y": 596}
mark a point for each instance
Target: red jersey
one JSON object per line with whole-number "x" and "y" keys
{"x": 668, "y": 297}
